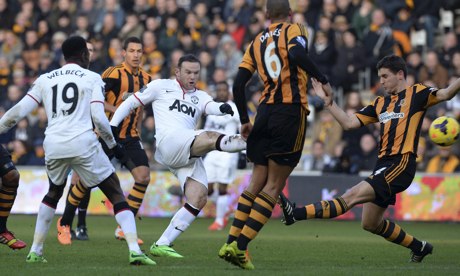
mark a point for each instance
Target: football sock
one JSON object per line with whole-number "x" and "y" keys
{"x": 76, "y": 194}
{"x": 125, "y": 219}
{"x": 395, "y": 234}
{"x": 136, "y": 195}
{"x": 44, "y": 219}
{"x": 323, "y": 209}
{"x": 230, "y": 143}
{"x": 82, "y": 208}
{"x": 179, "y": 223}
{"x": 243, "y": 209}
{"x": 260, "y": 213}
{"x": 221, "y": 208}
{"x": 7, "y": 197}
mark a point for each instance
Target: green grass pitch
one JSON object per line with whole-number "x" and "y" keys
{"x": 305, "y": 248}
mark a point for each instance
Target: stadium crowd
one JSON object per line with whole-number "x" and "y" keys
{"x": 346, "y": 39}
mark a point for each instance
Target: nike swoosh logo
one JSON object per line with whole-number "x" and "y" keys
{"x": 169, "y": 91}
{"x": 179, "y": 229}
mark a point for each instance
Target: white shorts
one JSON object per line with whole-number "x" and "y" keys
{"x": 93, "y": 167}
{"x": 221, "y": 166}
{"x": 195, "y": 170}
{"x": 173, "y": 150}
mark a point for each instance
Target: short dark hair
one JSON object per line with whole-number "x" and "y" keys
{"x": 73, "y": 47}
{"x": 188, "y": 58}
{"x": 393, "y": 63}
{"x": 131, "y": 39}
{"x": 278, "y": 9}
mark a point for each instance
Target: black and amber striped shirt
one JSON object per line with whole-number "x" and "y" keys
{"x": 118, "y": 80}
{"x": 400, "y": 116}
{"x": 284, "y": 82}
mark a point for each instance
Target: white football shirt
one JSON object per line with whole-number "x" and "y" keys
{"x": 67, "y": 94}
{"x": 173, "y": 108}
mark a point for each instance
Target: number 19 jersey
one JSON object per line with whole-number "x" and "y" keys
{"x": 284, "y": 82}
{"x": 66, "y": 94}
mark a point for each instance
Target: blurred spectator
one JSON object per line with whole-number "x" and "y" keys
{"x": 240, "y": 10}
{"x": 156, "y": 68}
{"x": 11, "y": 47}
{"x": 44, "y": 34}
{"x": 449, "y": 47}
{"x": 7, "y": 13}
{"x": 426, "y": 15}
{"x": 82, "y": 26}
{"x": 89, "y": 9}
{"x": 14, "y": 94}
{"x": 109, "y": 28}
{"x": 433, "y": 70}
{"x": 21, "y": 152}
{"x": 212, "y": 43}
{"x": 228, "y": 56}
{"x": 377, "y": 41}
{"x": 444, "y": 162}
{"x": 187, "y": 44}
{"x": 132, "y": 27}
{"x": 327, "y": 130}
{"x": 362, "y": 18}
{"x": 390, "y": 7}
{"x": 5, "y": 72}
{"x": 323, "y": 53}
{"x": 402, "y": 26}
{"x": 173, "y": 10}
{"x": 340, "y": 26}
{"x": 39, "y": 125}
{"x": 110, "y": 7}
{"x": 454, "y": 67}
{"x": 346, "y": 9}
{"x": 22, "y": 131}
{"x": 207, "y": 68}
{"x": 63, "y": 10}
{"x": 318, "y": 159}
{"x": 168, "y": 39}
{"x": 148, "y": 131}
{"x": 236, "y": 30}
{"x": 350, "y": 60}
{"x": 195, "y": 28}
{"x": 201, "y": 13}
{"x": 414, "y": 64}
{"x": 368, "y": 154}
{"x": 43, "y": 11}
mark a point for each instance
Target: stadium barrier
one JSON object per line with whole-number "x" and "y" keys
{"x": 429, "y": 198}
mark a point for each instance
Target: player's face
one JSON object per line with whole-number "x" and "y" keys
{"x": 133, "y": 54}
{"x": 187, "y": 74}
{"x": 388, "y": 80}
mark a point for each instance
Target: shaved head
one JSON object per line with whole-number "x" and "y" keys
{"x": 278, "y": 9}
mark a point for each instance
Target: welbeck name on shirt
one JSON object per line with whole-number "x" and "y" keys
{"x": 77, "y": 73}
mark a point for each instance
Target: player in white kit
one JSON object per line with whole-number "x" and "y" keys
{"x": 73, "y": 99}
{"x": 177, "y": 107}
{"x": 221, "y": 166}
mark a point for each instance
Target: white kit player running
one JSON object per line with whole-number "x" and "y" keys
{"x": 221, "y": 166}
{"x": 73, "y": 99}
{"x": 177, "y": 107}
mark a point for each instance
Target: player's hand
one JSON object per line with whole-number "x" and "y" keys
{"x": 226, "y": 109}
{"x": 245, "y": 130}
{"x": 324, "y": 91}
{"x": 120, "y": 153}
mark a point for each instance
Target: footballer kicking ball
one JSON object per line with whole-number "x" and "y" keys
{"x": 444, "y": 131}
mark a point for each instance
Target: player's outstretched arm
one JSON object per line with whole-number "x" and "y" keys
{"x": 325, "y": 93}
{"x": 449, "y": 92}
{"x": 17, "y": 112}
{"x": 124, "y": 109}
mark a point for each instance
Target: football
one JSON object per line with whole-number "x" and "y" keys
{"x": 444, "y": 131}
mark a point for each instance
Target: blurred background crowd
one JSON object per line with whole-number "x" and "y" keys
{"x": 346, "y": 39}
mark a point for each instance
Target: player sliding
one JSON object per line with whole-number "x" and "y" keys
{"x": 400, "y": 114}
{"x": 73, "y": 100}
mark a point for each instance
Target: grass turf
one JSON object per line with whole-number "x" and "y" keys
{"x": 305, "y": 248}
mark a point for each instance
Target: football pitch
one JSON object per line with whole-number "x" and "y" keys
{"x": 305, "y": 248}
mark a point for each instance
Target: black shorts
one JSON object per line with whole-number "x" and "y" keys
{"x": 134, "y": 149}
{"x": 392, "y": 175}
{"x": 278, "y": 134}
{"x": 6, "y": 164}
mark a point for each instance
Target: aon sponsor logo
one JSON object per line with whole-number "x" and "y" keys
{"x": 181, "y": 107}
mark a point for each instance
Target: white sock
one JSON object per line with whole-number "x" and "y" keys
{"x": 44, "y": 219}
{"x": 232, "y": 143}
{"x": 127, "y": 223}
{"x": 221, "y": 208}
{"x": 179, "y": 223}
